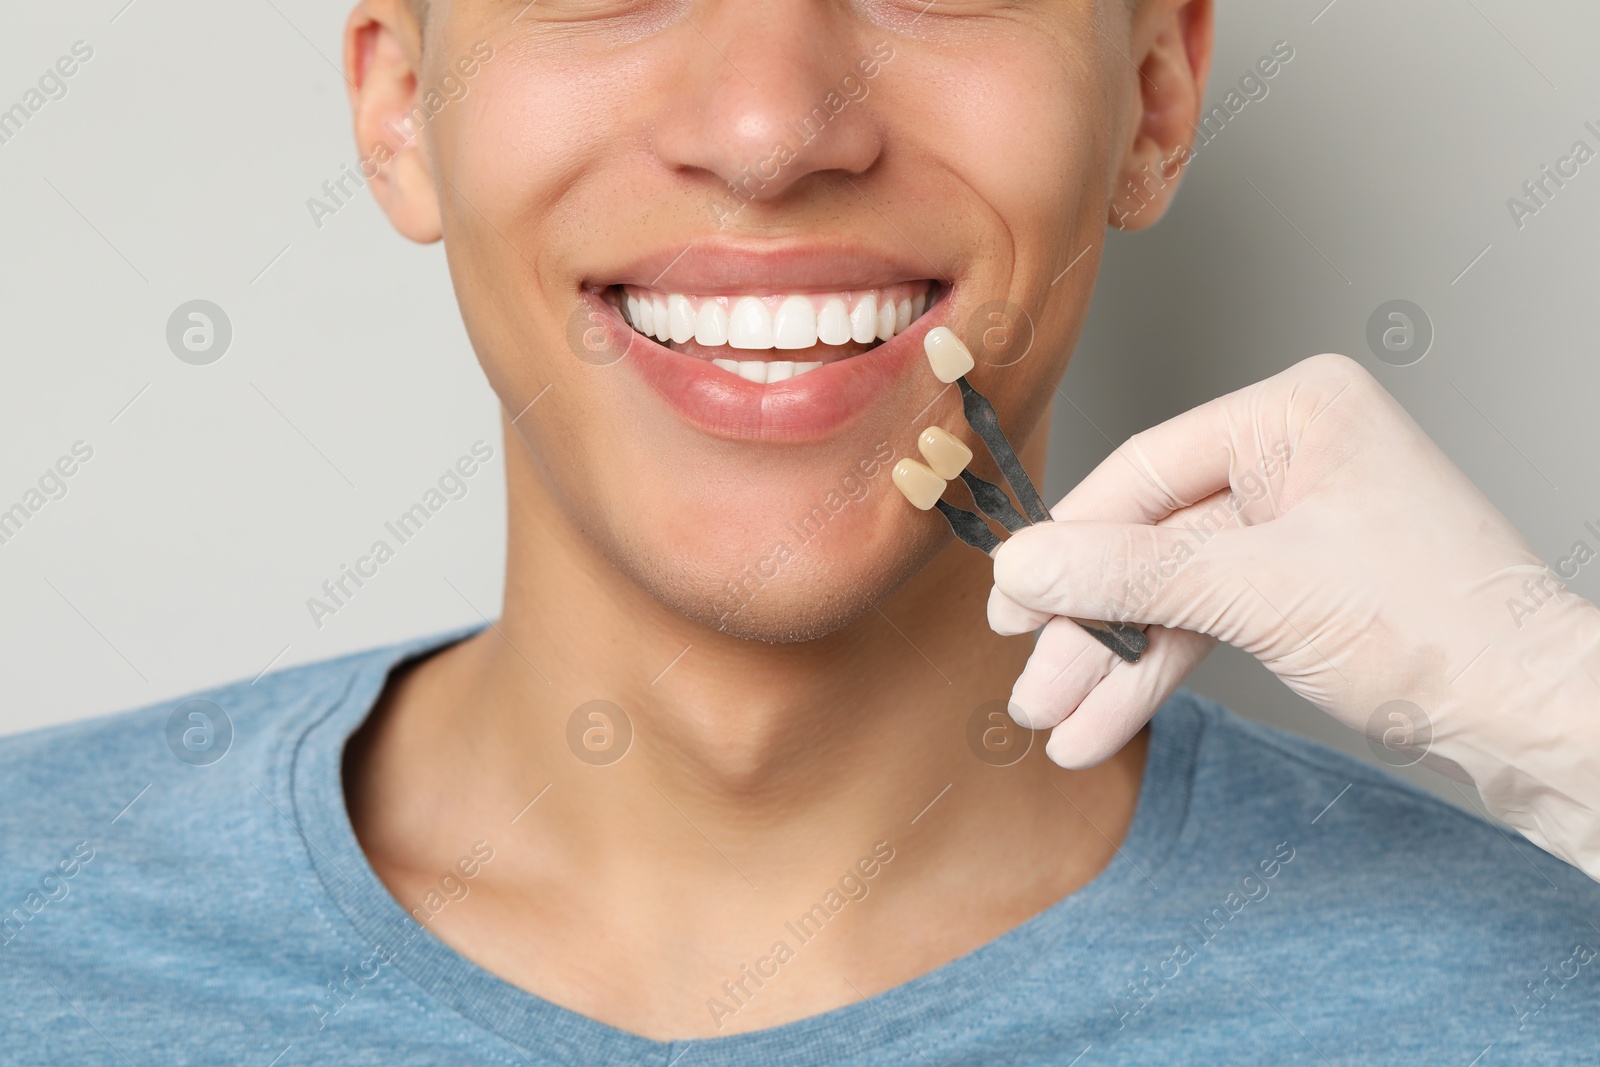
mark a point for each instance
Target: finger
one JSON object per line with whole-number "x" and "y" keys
{"x": 1175, "y": 576}
{"x": 1118, "y": 707}
{"x": 1159, "y": 470}
{"x": 1066, "y": 664}
{"x": 1008, "y": 618}
{"x": 1241, "y": 442}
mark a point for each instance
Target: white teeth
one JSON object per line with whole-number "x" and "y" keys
{"x": 886, "y": 320}
{"x": 750, "y": 325}
{"x": 864, "y": 320}
{"x": 833, "y": 323}
{"x": 680, "y": 317}
{"x": 787, "y": 322}
{"x": 764, "y": 373}
{"x": 658, "y": 312}
{"x": 710, "y": 325}
{"x": 795, "y": 324}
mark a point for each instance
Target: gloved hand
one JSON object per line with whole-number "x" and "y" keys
{"x": 1309, "y": 521}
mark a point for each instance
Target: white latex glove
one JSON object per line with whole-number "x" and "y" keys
{"x": 1309, "y": 521}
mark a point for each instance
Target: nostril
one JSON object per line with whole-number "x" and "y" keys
{"x": 773, "y": 110}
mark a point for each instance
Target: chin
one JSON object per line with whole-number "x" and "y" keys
{"x": 784, "y": 590}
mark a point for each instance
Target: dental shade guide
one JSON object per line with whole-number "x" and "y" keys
{"x": 983, "y": 420}
{"x": 993, "y": 502}
{"x": 947, "y": 459}
{"x": 969, "y": 528}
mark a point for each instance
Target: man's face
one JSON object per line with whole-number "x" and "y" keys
{"x": 780, "y": 172}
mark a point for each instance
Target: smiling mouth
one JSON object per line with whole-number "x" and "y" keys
{"x": 770, "y": 337}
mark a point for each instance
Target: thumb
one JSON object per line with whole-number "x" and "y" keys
{"x": 1181, "y": 577}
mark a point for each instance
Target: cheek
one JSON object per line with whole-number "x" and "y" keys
{"x": 1028, "y": 131}
{"x": 1025, "y": 138}
{"x": 523, "y": 134}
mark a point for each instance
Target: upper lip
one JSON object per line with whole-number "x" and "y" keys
{"x": 714, "y": 265}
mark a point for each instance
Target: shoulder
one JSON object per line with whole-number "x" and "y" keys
{"x": 1307, "y": 857}
{"x": 157, "y": 772}
{"x": 44, "y": 769}
{"x": 1264, "y": 778}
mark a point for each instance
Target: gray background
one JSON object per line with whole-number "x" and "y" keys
{"x": 219, "y": 498}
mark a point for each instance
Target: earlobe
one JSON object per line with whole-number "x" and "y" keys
{"x": 1176, "y": 57}
{"x": 382, "y": 58}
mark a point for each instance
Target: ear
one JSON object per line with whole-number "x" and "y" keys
{"x": 382, "y": 60}
{"x": 1172, "y": 48}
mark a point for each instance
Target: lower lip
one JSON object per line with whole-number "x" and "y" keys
{"x": 814, "y": 405}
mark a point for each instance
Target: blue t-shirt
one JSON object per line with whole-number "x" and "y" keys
{"x": 1274, "y": 902}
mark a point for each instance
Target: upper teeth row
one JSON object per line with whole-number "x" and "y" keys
{"x": 787, "y": 322}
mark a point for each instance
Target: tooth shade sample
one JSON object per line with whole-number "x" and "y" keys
{"x": 795, "y": 324}
{"x": 680, "y": 318}
{"x": 710, "y": 324}
{"x": 919, "y": 484}
{"x": 864, "y": 320}
{"x": 750, "y": 325}
{"x": 833, "y": 323}
{"x": 945, "y": 454}
{"x": 947, "y": 356}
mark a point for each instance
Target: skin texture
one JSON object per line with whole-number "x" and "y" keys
{"x": 775, "y": 743}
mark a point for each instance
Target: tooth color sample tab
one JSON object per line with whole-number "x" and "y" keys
{"x": 207, "y": 926}
{"x": 945, "y": 454}
{"x": 948, "y": 357}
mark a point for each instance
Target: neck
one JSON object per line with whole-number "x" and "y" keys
{"x": 755, "y": 773}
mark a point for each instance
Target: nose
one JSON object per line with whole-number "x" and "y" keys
{"x": 772, "y": 92}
